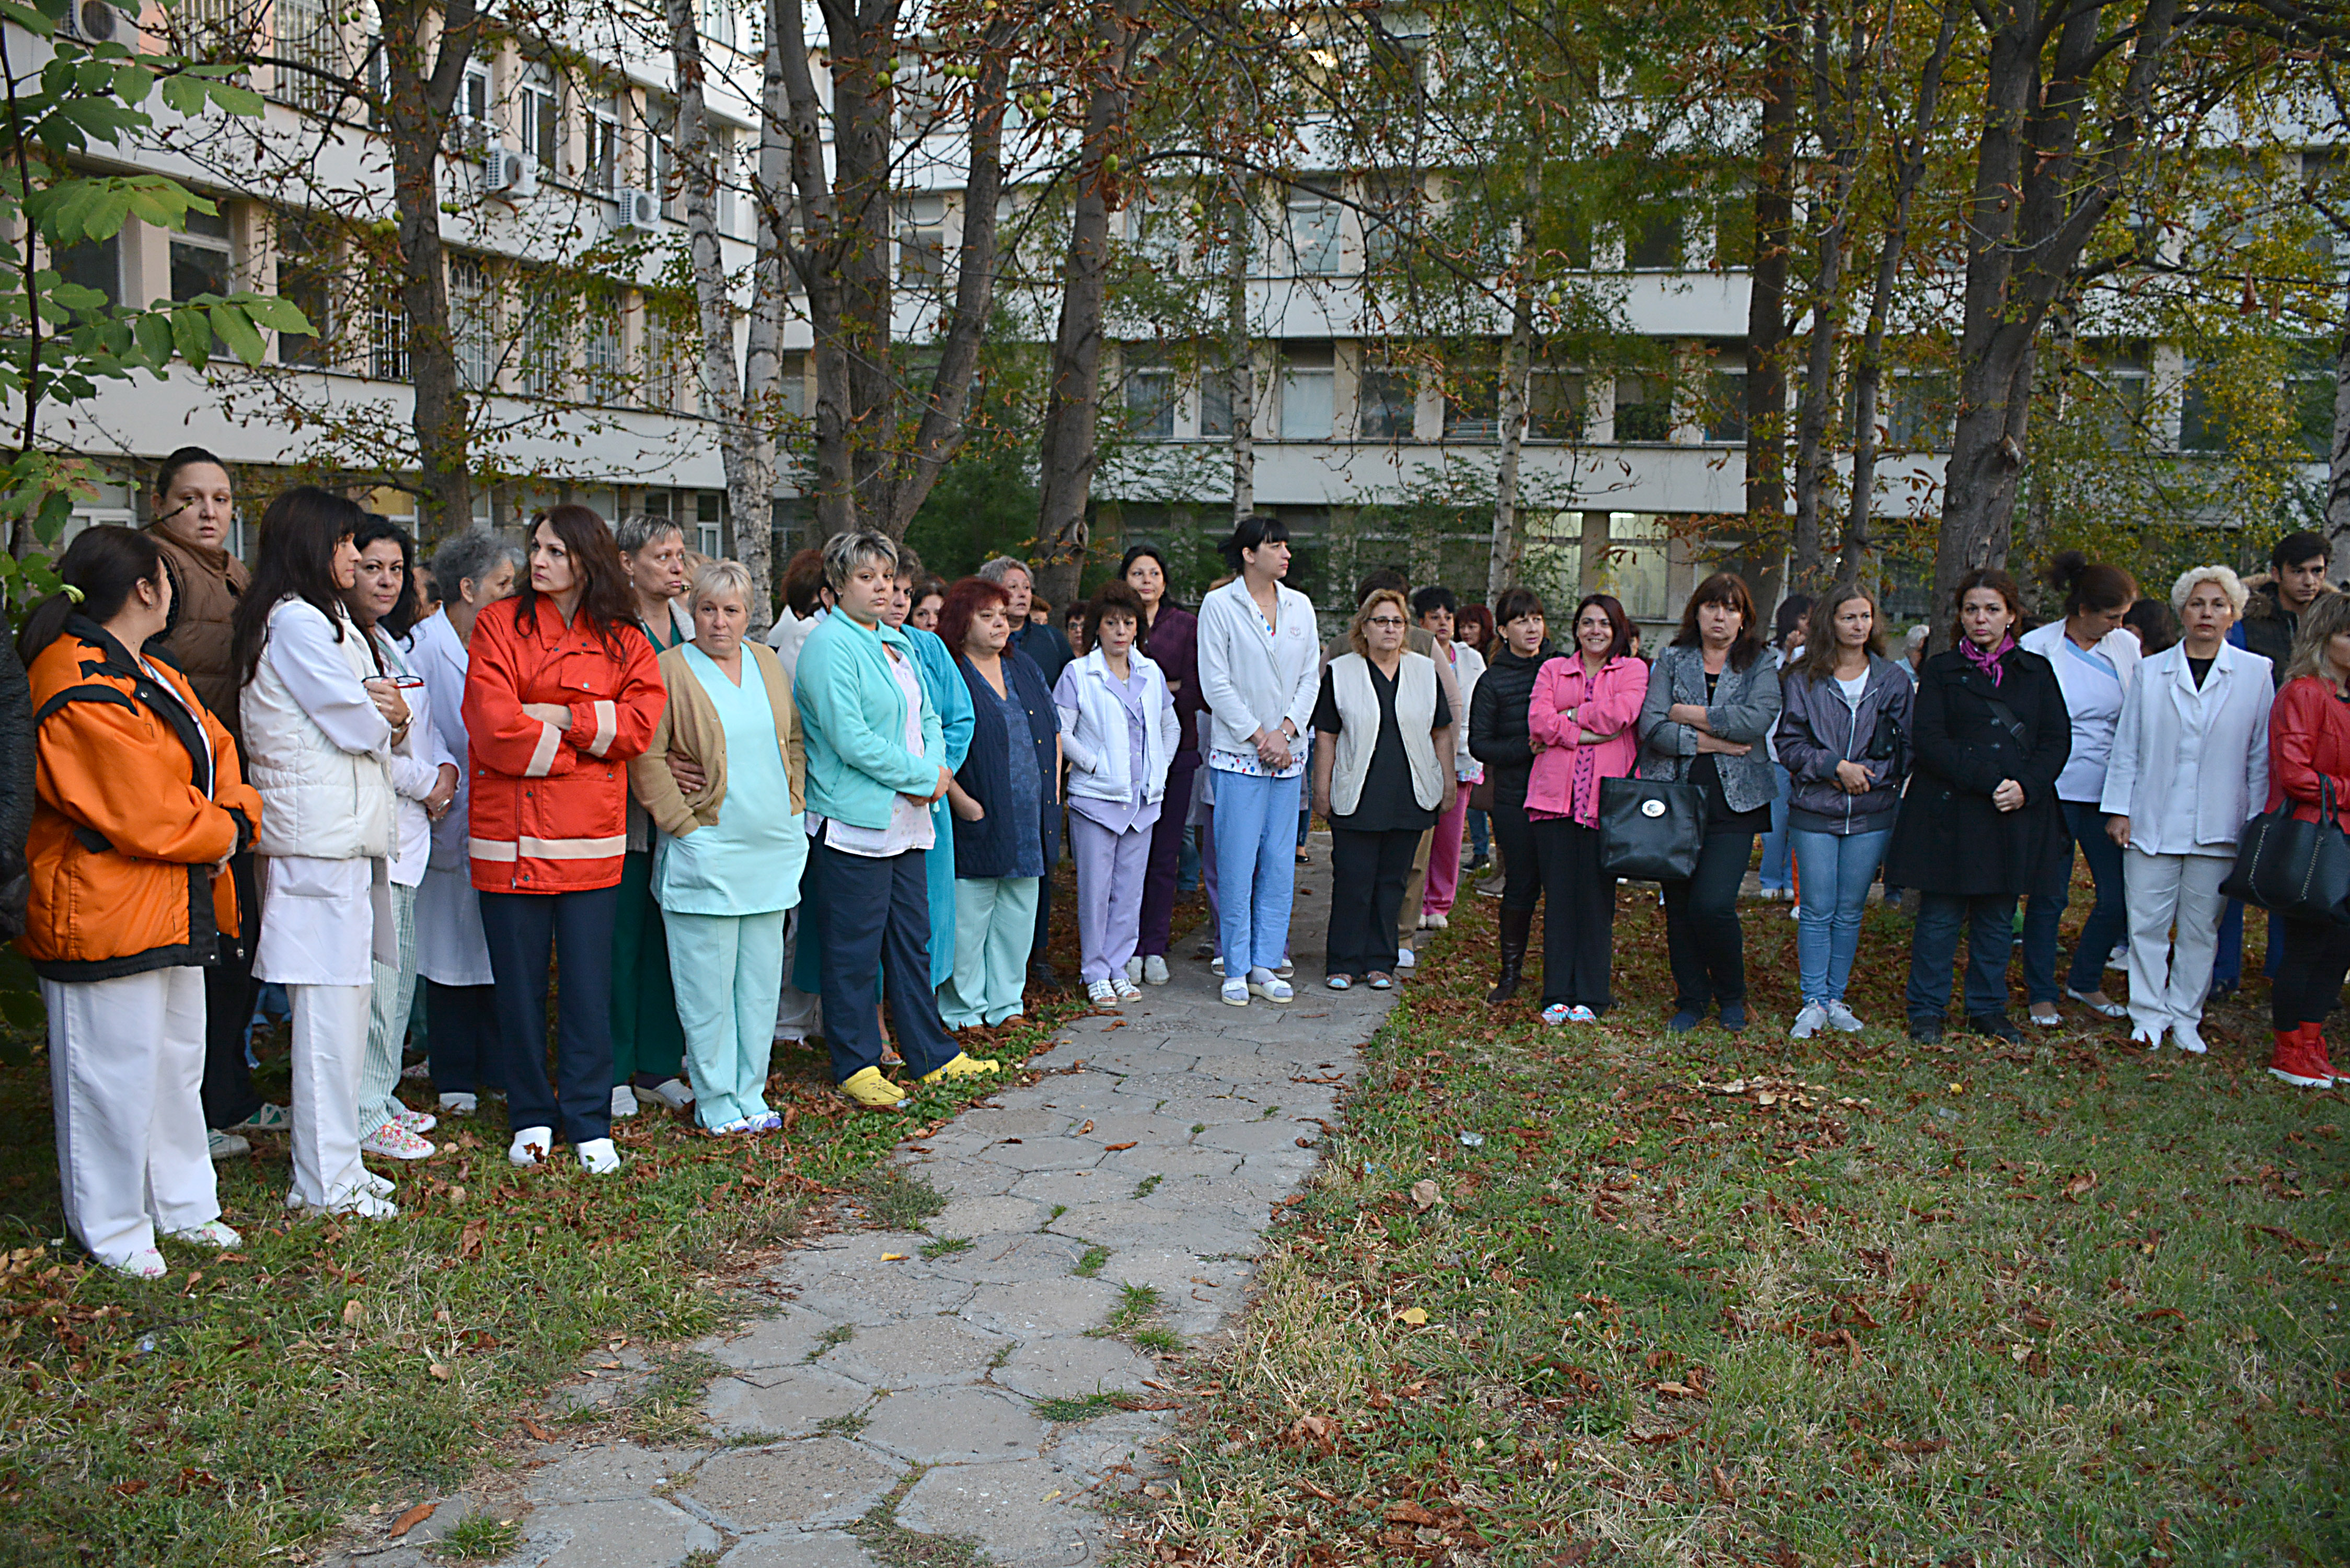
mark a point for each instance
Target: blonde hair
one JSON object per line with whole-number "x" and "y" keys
{"x": 2230, "y": 584}
{"x": 2328, "y": 618}
{"x": 1358, "y": 631}
{"x": 717, "y": 578}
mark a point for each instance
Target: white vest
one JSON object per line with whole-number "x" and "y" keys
{"x": 318, "y": 800}
{"x": 1358, "y": 712}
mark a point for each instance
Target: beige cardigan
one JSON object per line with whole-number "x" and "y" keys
{"x": 689, "y": 728}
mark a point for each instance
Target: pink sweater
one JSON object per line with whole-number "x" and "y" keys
{"x": 1565, "y": 778}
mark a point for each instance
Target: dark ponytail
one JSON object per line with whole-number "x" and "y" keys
{"x": 186, "y": 457}
{"x": 1252, "y": 532}
{"x": 102, "y": 565}
{"x": 2086, "y": 585}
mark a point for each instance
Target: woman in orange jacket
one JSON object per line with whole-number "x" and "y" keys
{"x": 139, "y": 802}
{"x": 561, "y": 689}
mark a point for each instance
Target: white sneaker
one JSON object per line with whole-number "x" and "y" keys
{"x": 1809, "y": 1021}
{"x": 2119, "y": 957}
{"x": 2188, "y": 1038}
{"x": 624, "y": 1101}
{"x": 1424, "y": 918}
{"x": 1154, "y": 970}
{"x": 225, "y": 1145}
{"x": 598, "y": 1158}
{"x": 2146, "y": 1034}
{"x": 530, "y": 1146}
{"x": 210, "y": 1233}
{"x": 1102, "y": 994}
{"x": 415, "y": 1121}
{"x": 460, "y": 1102}
{"x": 1126, "y": 989}
{"x": 1797, "y": 913}
{"x": 364, "y": 1203}
{"x": 1843, "y": 1020}
{"x": 674, "y": 1092}
{"x": 1134, "y": 971}
{"x": 379, "y": 1185}
{"x": 1235, "y": 992}
{"x": 145, "y": 1264}
{"x": 1435, "y": 923}
{"x": 394, "y": 1141}
{"x": 1406, "y": 959}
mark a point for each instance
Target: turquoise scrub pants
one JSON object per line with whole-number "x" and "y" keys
{"x": 729, "y": 970}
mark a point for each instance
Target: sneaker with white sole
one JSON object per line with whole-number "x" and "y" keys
{"x": 598, "y": 1158}
{"x": 1809, "y": 1021}
{"x": 267, "y": 1118}
{"x": 460, "y": 1102}
{"x": 395, "y": 1142}
{"x": 1126, "y": 989}
{"x": 225, "y": 1145}
{"x": 1406, "y": 958}
{"x": 145, "y": 1264}
{"x": 1843, "y": 1020}
{"x": 1437, "y": 922}
{"x": 674, "y": 1092}
{"x": 210, "y": 1233}
{"x": 1235, "y": 992}
{"x": 530, "y": 1146}
{"x": 1154, "y": 970}
{"x": 360, "y": 1203}
{"x": 1134, "y": 971}
{"x": 2187, "y": 1037}
{"x": 379, "y": 1185}
{"x": 415, "y": 1121}
{"x": 1102, "y": 994}
{"x": 624, "y": 1101}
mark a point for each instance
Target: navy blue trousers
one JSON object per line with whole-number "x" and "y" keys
{"x": 868, "y": 915}
{"x": 524, "y": 931}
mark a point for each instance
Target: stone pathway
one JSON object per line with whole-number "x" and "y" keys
{"x": 1094, "y": 1221}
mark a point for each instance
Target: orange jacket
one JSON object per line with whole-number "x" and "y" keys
{"x": 549, "y": 808}
{"x": 125, "y": 830}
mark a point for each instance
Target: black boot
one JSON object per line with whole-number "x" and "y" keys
{"x": 1516, "y": 925}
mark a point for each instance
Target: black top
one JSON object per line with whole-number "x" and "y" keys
{"x": 1387, "y": 803}
{"x": 2199, "y": 668}
{"x": 1497, "y": 719}
{"x": 1949, "y": 837}
{"x": 1706, "y": 774}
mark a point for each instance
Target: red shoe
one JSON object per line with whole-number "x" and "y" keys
{"x": 2316, "y": 1034}
{"x": 2298, "y": 1062}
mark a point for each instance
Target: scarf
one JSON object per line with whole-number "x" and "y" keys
{"x": 1987, "y": 662}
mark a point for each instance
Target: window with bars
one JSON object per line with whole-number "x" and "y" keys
{"x": 600, "y": 351}
{"x": 547, "y": 308}
{"x": 1635, "y": 563}
{"x": 473, "y": 323}
{"x": 387, "y": 333}
{"x": 309, "y": 38}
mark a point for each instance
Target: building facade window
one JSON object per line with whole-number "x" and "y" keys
{"x": 1150, "y": 397}
{"x": 605, "y": 140}
{"x": 1725, "y": 404}
{"x": 1313, "y": 235}
{"x": 387, "y": 333}
{"x": 923, "y": 241}
{"x": 473, "y": 323}
{"x": 1644, "y": 407}
{"x": 1383, "y": 405}
{"x": 1635, "y": 563}
{"x": 1308, "y": 390}
{"x": 1555, "y": 405}
{"x": 202, "y": 259}
{"x": 306, "y": 274}
{"x": 538, "y": 111}
{"x": 94, "y": 265}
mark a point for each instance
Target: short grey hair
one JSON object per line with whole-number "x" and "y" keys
{"x": 844, "y": 553}
{"x": 640, "y": 530}
{"x": 718, "y": 577}
{"x": 2230, "y": 584}
{"x": 469, "y": 557}
{"x": 996, "y": 570}
{"x": 1916, "y": 638}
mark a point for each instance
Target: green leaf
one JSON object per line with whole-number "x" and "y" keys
{"x": 277, "y": 315}
{"x": 153, "y": 332}
{"x": 184, "y": 95}
{"x": 236, "y": 330}
{"x": 191, "y": 333}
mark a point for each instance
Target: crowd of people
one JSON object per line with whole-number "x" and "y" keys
{"x": 398, "y": 796}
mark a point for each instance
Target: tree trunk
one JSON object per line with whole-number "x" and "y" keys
{"x": 1836, "y": 123}
{"x": 2337, "y": 485}
{"x": 1517, "y": 369}
{"x": 2034, "y": 202}
{"x": 1766, "y": 299}
{"x": 417, "y": 114}
{"x": 1073, "y": 402}
{"x": 1868, "y": 367}
{"x": 1240, "y": 349}
{"x": 821, "y": 239}
{"x": 863, "y": 44}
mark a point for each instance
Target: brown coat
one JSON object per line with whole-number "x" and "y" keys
{"x": 202, "y": 640}
{"x": 690, "y": 727}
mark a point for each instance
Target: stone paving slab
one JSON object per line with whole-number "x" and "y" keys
{"x": 884, "y": 1373}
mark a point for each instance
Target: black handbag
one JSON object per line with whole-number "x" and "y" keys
{"x": 2299, "y": 869}
{"x": 1650, "y": 830}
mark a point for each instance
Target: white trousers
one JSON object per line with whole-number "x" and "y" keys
{"x": 389, "y": 1000}
{"x": 125, "y": 1072}
{"x": 2168, "y": 976}
{"x": 331, "y": 1032}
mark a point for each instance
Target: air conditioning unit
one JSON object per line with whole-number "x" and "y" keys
{"x": 94, "y": 22}
{"x": 638, "y": 209}
{"x": 508, "y": 173}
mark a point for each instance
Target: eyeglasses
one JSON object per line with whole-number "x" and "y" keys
{"x": 1386, "y": 620}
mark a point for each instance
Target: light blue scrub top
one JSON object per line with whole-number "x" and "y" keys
{"x": 747, "y": 862}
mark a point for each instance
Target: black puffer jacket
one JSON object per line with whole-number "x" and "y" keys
{"x": 16, "y": 788}
{"x": 1497, "y": 719}
{"x": 1949, "y": 837}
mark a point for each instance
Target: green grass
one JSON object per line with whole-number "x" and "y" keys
{"x": 1149, "y": 1184}
{"x": 1091, "y": 1262}
{"x": 262, "y": 1416}
{"x": 898, "y": 1199}
{"x": 477, "y": 1538}
{"x": 2054, "y": 1303}
{"x": 1081, "y": 1408}
{"x": 947, "y": 1246}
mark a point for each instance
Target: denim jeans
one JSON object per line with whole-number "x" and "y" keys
{"x": 1482, "y": 845}
{"x": 1835, "y": 872}
{"x": 1989, "y": 920}
{"x": 2107, "y": 928}
{"x": 2228, "y": 969}
{"x": 1778, "y": 856}
{"x": 1257, "y": 870}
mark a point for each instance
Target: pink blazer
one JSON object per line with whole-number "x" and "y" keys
{"x": 1565, "y": 778}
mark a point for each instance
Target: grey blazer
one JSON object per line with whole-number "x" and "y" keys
{"x": 1745, "y": 705}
